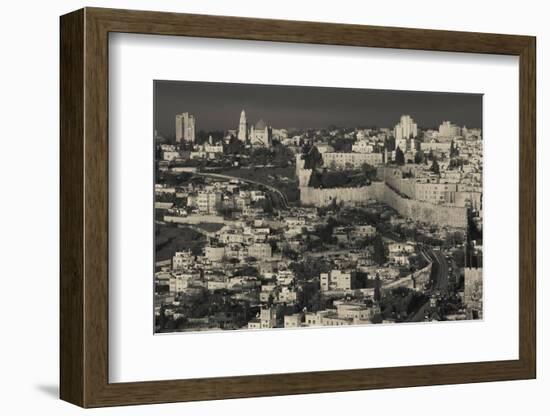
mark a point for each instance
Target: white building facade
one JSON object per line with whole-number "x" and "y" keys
{"x": 242, "y": 135}
{"x": 404, "y": 130}
{"x": 185, "y": 127}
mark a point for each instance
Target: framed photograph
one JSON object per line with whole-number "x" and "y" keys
{"x": 257, "y": 207}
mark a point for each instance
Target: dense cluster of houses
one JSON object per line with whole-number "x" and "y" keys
{"x": 249, "y": 247}
{"x": 251, "y": 253}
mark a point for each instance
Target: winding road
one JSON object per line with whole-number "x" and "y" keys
{"x": 439, "y": 280}
{"x": 440, "y": 270}
{"x": 282, "y": 196}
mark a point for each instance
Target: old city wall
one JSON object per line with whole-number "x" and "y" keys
{"x": 304, "y": 175}
{"x": 398, "y": 194}
{"x": 196, "y": 219}
{"x": 323, "y": 197}
{"x": 425, "y": 211}
{"x": 393, "y": 177}
{"x": 410, "y": 208}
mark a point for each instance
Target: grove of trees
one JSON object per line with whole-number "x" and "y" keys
{"x": 399, "y": 156}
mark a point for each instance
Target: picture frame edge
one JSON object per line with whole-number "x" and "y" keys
{"x": 84, "y": 213}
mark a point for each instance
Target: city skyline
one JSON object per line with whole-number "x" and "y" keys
{"x": 262, "y": 227}
{"x": 217, "y": 106}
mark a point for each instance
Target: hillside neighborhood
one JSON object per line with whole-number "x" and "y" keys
{"x": 276, "y": 227}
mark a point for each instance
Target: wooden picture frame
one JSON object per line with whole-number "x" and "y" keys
{"x": 84, "y": 207}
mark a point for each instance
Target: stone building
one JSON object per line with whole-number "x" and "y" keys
{"x": 260, "y": 134}
{"x": 473, "y": 293}
{"x": 404, "y": 131}
{"x": 185, "y": 127}
{"x": 353, "y": 160}
{"x": 242, "y": 135}
{"x": 335, "y": 280}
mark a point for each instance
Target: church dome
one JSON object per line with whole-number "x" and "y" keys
{"x": 260, "y": 125}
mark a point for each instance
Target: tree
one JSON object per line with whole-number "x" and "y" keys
{"x": 325, "y": 232}
{"x": 389, "y": 143}
{"x": 399, "y": 156}
{"x": 267, "y": 205}
{"x": 309, "y": 269}
{"x": 315, "y": 180}
{"x": 377, "y": 319}
{"x": 377, "y": 285}
{"x": 453, "y": 151}
{"x": 235, "y": 146}
{"x": 282, "y": 155}
{"x": 342, "y": 145}
{"x": 419, "y": 157}
{"x": 369, "y": 171}
{"x": 201, "y": 137}
{"x": 334, "y": 179}
{"x": 435, "y": 166}
{"x": 310, "y": 297}
{"x": 379, "y": 255}
{"x": 162, "y": 318}
{"x": 289, "y": 253}
{"x": 313, "y": 159}
{"x": 260, "y": 156}
{"x": 196, "y": 250}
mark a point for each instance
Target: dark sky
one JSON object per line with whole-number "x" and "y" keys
{"x": 217, "y": 106}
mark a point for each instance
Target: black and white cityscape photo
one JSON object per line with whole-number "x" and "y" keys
{"x": 292, "y": 206}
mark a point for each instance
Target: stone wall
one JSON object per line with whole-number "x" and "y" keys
{"x": 393, "y": 176}
{"x": 196, "y": 219}
{"x": 425, "y": 211}
{"x": 409, "y": 208}
{"x": 324, "y": 197}
{"x": 304, "y": 175}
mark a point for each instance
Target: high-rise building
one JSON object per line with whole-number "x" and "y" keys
{"x": 185, "y": 127}
{"x": 404, "y": 130}
{"x": 243, "y": 128}
{"x": 449, "y": 130}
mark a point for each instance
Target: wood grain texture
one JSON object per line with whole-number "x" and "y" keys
{"x": 71, "y": 100}
{"x": 84, "y": 204}
{"x": 527, "y": 208}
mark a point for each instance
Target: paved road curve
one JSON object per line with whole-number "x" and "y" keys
{"x": 441, "y": 277}
{"x": 439, "y": 280}
{"x": 271, "y": 188}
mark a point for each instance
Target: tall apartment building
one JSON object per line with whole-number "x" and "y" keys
{"x": 449, "y": 130}
{"x": 185, "y": 127}
{"x": 404, "y": 130}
